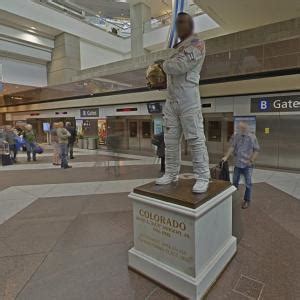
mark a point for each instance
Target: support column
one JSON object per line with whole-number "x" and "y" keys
{"x": 65, "y": 59}
{"x": 140, "y": 12}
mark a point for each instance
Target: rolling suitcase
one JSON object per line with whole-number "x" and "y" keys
{"x": 5, "y": 155}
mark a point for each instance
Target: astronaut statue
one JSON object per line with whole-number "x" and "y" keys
{"x": 182, "y": 111}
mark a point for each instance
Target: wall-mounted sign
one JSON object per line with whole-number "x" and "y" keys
{"x": 206, "y": 105}
{"x": 154, "y": 107}
{"x": 275, "y": 104}
{"x": 89, "y": 112}
{"x": 126, "y": 109}
{"x": 158, "y": 126}
{"x": 46, "y": 127}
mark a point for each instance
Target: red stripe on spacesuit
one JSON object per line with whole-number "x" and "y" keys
{"x": 198, "y": 44}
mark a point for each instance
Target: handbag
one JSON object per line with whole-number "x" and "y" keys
{"x": 220, "y": 171}
{"x": 215, "y": 172}
{"x": 38, "y": 149}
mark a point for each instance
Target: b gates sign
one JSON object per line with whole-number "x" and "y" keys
{"x": 89, "y": 112}
{"x": 275, "y": 104}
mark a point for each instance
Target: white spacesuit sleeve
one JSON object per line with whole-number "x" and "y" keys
{"x": 185, "y": 60}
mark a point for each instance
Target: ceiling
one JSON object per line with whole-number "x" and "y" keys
{"x": 115, "y": 8}
{"x": 237, "y": 15}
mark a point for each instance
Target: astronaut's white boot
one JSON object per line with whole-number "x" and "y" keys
{"x": 166, "y": 179}
{"x": 200, "y": 186}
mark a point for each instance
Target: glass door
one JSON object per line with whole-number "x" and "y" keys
{"x": 133, "y": 135}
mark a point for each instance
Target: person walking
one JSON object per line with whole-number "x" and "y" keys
{"x": 30, "y": 142}
{"x": 245, "y": 148}
{"x": 62, "y": 136}
{"x": 159, "y": 141}
{"x": 71, "y": 139}
{"x": 10, "y": 137}
{"x": 56, "y": 149}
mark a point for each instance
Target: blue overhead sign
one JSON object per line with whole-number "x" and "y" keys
{"x": 288, "y": 103}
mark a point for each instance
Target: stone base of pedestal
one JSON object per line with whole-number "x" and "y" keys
{"x": 182, "y": 240}
{"x": 185, "y": 285}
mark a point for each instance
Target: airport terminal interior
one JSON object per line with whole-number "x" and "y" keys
{"x": 149, "y": 149}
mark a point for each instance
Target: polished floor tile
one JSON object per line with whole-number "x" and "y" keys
{"x": 87, "y": 273}
{"x": 57, "y": 210}
{"x": 110, "y": 203}
{"x": 15, "y": 272}
{"x": 97, "y": 229}
{"x": 28, "y": 237}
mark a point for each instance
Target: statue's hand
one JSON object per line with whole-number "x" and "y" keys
{"x": 159, "y": 62}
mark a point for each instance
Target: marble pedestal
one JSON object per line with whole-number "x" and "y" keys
{"x": 182, "y": 240}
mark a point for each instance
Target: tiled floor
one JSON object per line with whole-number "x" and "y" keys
{"x": 65, "y": 233}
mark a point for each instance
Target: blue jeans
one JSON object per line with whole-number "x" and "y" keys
{"x": 63, "y": 153}
{"x": 13, "y": 150}
{"x": 247, "y": 173}
{"x": 30, "y": 148}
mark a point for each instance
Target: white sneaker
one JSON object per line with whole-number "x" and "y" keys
{"x": 166, "y": 179}
{"x": 200, "y": 186}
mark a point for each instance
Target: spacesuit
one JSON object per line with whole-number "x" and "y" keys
{"x": 182, "y": 112}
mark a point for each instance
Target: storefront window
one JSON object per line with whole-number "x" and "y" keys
{"x": 90, "y": 127}
{"x": 146, "y": 129}
{"x": 214, "y": 131}
{"x": 102, "y": 132}
{"x": 79, "y": 128}
{"x": 133, "y": 129}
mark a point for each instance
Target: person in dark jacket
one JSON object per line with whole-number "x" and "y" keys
{"x": 159, "y": 142}
{"x": 30, "y": 141}
{"x": 11, "y": 137}
{"x": 72, "y": 138}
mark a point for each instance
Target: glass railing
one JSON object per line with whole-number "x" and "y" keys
{"x": 119, "y": 28}
{"x": 115, "y": 26}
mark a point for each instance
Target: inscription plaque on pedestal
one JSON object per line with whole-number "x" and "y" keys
{"x": 181, "y": 239}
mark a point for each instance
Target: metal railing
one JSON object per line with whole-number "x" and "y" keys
{"x": 117, "y": 27}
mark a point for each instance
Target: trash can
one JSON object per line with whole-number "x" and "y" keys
{"x": 85, "y": 143}
{"x": 80, "y": 143}
{"x": 92, "y": 143}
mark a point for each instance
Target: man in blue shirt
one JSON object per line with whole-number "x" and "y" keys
{"x": 245, "y": 148}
